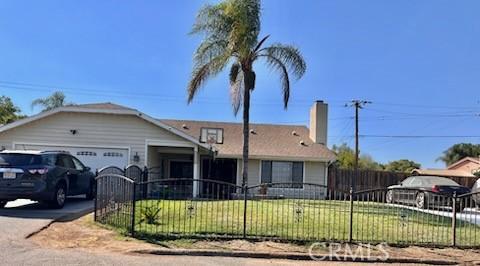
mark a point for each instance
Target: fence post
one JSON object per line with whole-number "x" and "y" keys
{"x": 132, "y": 230}
{"x": 454, "y": 219}
{"x": 95, "y": 187}
{"x": 145, "y": 179}
{"x": 244, "y": 211}
{"x": 350, "y": 229}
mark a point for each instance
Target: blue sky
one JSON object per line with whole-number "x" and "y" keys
{"x": 417, "y": 61}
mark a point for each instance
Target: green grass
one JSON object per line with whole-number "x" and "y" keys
{"x": 308, "y": 220}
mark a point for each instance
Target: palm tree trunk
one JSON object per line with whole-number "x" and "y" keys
{"x": 249, "y": 81}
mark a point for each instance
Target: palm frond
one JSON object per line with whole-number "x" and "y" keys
{"x": 276, "y": 64}
{"x": 289, "y": 56}
{"x": 259, "y": 45}
{"x": 208, "y": 50}
{"x": 37, "y": 102}
{"x": 237, "y": 87}
{"x": 202, "y": 72}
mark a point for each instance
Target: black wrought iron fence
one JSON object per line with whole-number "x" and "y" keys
{"x": 285, "y": 211}
{"x": 114, "y": 201}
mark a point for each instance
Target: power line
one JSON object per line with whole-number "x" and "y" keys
{"x": 97, "y": 92}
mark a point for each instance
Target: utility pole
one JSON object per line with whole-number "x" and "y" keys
{"x": 358, "y": 104}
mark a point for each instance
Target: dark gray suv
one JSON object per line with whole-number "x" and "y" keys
{"x": 48, "y": 176}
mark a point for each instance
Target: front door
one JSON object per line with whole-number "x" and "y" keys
{"x": 180, "y": 170}
{"x": 224, "y": 170}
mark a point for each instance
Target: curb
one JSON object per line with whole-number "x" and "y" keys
{"x": 283, "y": 255}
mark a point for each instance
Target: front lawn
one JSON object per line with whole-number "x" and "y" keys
{"x": 290, "y": 219}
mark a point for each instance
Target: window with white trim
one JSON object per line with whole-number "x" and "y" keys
{"x": 283, "y": 172}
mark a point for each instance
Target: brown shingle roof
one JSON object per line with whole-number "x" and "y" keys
{"x": 104, "y": 106}
{"x": 268, "y": 141}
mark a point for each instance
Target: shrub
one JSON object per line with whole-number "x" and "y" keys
{"x": 149, "y": 215}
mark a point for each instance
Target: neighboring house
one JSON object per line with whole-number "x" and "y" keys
{"x": 109, "y": 134}
{"x": 466, "y": 167}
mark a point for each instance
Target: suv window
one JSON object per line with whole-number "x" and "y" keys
{"x": 49, "y": 159}
{"x": 14, "y": 159}
{"x": 407, "y": 181}
{"x": 65, "y": 161}
{"x": 78, "y": 165}
{"x": 416, "y": 182}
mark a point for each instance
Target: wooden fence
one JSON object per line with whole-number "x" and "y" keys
{"x": 339, "y": 179}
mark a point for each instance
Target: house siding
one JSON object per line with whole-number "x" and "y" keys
{"x": 102, "y": 130}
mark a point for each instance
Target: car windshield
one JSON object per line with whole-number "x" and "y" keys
{"x": 442, "y": 181}
{"x": 15, "y": 159}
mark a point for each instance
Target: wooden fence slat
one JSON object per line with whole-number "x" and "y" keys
{"x": 339, "y": 179}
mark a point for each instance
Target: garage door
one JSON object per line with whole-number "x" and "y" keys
{"x": 95, "y": 158}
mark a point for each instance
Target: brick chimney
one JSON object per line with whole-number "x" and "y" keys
{"x": 319, "y": 122}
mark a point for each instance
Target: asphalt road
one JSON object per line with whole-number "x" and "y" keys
{"x": 22, "y": 218}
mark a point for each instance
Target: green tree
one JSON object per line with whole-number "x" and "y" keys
{"x": 57, "y": 99}
{"x": 459, "y": 151}
{"x": 366, "y": 162}
{"x": 402, "y": 165}
{"x": 346, "y": 159}
{"x": 231, "y": 37}
{"x": 8, "y": 111}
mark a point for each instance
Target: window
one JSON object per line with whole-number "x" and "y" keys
{"x": 211, "y": 135}
{"x": 65, "y": 161}
{"x": 49, "y": 159}
{"x": 283, "y": 172}
{"x": 78, "y": 165}
{"x": 86, "y": 153}
{"x": 17, "y": 159}
{"x": 112, "y": 154}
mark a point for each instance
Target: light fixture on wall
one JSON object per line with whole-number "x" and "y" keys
{"x": 136, "y": 157}
{"x": 73, "y": 131}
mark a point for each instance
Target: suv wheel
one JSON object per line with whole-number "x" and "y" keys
{"x": 59, "y": 197}
{"x": 3, "y": 203}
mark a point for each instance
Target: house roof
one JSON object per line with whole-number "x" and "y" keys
{"x": 471, "y": 159}
{"x": 443, "y": 172}
{"x": 102, "y": 108}
{"x": 266, "y": 141}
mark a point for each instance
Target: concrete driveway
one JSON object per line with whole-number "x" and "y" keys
{"x": 22, "y": 218}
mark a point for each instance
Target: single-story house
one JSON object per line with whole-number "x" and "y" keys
{"x": 104, "y": 134}
{"x": 466, "y": 167}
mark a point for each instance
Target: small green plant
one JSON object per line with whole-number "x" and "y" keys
{"x": 149, "y": 215}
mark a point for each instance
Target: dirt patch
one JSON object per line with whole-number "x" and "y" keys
{"x": 85, "y": 234}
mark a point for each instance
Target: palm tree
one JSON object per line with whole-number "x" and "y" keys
{"x": 57, "y": 99}
{"x": 231, "y": 30}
